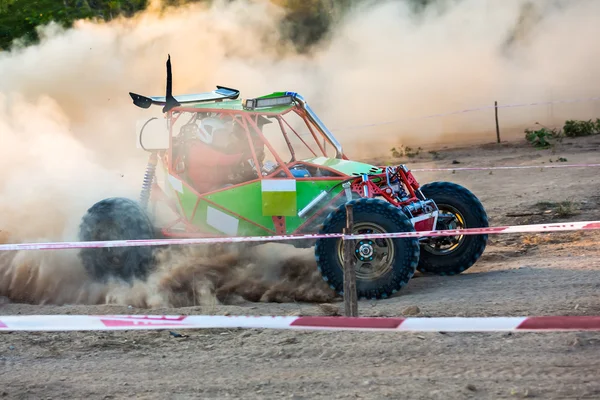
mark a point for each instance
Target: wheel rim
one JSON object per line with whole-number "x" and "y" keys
{"x": 446, "y": 244}
{"x": 373, "y": 257}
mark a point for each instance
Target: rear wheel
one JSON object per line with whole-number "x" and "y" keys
{"x": 459, "y": 209}
{"x": 116, "y": 219}
{"x": 383, "y": 266}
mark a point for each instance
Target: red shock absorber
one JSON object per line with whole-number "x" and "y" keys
{"x": 412, "y": 181}
{"x": 409, "y": 180}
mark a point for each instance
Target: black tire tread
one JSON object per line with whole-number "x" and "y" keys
{"x": 405, "y": 263}
{"x": 131, "y": 223}
{"x": 431, "y": 264}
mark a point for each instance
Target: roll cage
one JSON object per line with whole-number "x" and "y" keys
{"x": 317, "y": 177}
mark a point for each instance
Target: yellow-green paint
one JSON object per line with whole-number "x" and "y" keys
{"x": 279, "y": 204}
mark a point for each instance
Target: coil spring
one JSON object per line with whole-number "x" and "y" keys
{"x": 401, "y": 192}
{"x": 148, "y": 181}
{"x": 392, "y": 179}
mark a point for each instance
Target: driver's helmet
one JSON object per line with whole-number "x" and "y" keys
{"x": 215, "y": 132}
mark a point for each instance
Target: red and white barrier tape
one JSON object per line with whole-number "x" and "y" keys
{"x": 146, "y": 322}
{"x": 509, "y": 167}
{"x": 559, "y": 227}
{"x": 468, "y": 110}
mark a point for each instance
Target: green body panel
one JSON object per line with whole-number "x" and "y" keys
{"x": 306, "y": 192}
{"x": 175, "y": 196}
{"x": 279, "y": 204}
{"x": 346, "y": 167}
{"x": 188, "y": 201}
{"x": 236, "y": 105}
{"x": 245, "y": 200}
{"x": 245, "y": 228}
{"x": 274, "y": 94}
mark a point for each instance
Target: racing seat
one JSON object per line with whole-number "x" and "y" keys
{"x": 207, "y": 168}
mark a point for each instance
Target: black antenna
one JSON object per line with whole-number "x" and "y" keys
{"x": 170, "y": 101}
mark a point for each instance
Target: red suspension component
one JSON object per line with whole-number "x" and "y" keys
{"x": 376, "y": 185}
{"x": 411, "y": 180}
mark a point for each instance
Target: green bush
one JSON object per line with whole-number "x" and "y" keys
{"x": 574, "y": 128}
{"x": 542, "y": 138}
{"x": 405, "y": 152}
{"x": 20, "y": 18}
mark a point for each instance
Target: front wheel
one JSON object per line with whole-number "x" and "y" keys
{"x": 383, "y": 266}
{"x": 459, "y": 209}
{"x": 116, "y": 219}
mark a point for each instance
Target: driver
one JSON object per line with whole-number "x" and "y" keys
{"x": 218, "y": 153}
{"x": 210, "y": 161}
{"x": 257, "y": 145}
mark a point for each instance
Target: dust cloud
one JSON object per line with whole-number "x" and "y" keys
{"x": 466, "y": 54}
{"x": 183, "y": 277}
{"x": 67, "y": 123}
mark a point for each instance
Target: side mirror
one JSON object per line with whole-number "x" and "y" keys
{"x": 152, "y": 134}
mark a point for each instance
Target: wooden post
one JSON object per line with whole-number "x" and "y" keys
{"x": 350, "y": 300}
{"x": 497, "y": 125}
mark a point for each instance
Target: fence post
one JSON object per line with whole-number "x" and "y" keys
{"x": 497, "y": 124}
{"x": 350, "y": 300}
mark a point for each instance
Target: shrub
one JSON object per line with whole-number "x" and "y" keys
{"x": 542, "y": 138}
{"x": 574, "y": 128}
{"x": 405, "y": 152}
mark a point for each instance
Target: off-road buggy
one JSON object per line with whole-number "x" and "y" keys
{"x": 268, "y": 166}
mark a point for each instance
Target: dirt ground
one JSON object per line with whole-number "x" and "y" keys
{"x": 518, "y": 275}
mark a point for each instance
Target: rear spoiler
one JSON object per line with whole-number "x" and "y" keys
{"x": 222, "y": 93}
{"x": 169, "y": 101}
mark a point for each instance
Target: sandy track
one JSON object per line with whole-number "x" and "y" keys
{"x": 518, "y": 275}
